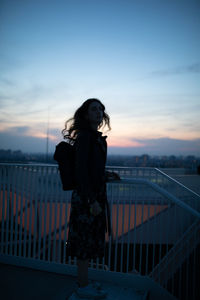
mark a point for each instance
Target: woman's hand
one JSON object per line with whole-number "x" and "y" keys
{"x": 95, "y": 208}
{"x": 112, "y": 176}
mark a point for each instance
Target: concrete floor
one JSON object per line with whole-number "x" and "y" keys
{"x": 24, "y": 283}
{"x": 20, "y": 283}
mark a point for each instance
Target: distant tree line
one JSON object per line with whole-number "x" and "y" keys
{"x": 19, "y": 157}
{"x": 191, "y": 163}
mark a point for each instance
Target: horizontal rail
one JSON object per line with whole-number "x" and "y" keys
{"x": 177, "y": 182}
{"x": 163, "y": 192}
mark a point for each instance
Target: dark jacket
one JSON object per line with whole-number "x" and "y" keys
{"x": 90, "y": 161}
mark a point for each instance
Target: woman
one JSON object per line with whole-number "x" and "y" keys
{"x": 89, "y": 217}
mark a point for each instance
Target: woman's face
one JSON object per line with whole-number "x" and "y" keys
{"x": 95, "y": 113}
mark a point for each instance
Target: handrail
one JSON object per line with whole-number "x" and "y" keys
{"x": 40, "y": 164}
{"x": 177, "y": 182}
{"x": 161, "y": 173}
{"x": 163, "y": 192}
{"x": 108, "y": 167}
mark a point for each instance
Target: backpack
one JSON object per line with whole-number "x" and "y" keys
{"x": 65, "y": 156}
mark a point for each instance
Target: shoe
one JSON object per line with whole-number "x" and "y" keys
{"x": 90, "y": 292}
{"x": 97, "y": 285}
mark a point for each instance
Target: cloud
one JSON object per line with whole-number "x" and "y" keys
{"x": 6, "y": 82}
{"x": 18, "y": 130}
{"x": 29, "y": 131}
{"x": 193, "y": 68}
{"x": 160, "y": 146}
{"x": 26, "y": 144}
{"x": 23, "y": 138}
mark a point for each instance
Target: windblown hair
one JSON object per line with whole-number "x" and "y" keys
{"x": 79, "y": 121}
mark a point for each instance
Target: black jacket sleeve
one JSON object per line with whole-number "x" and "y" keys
{"x": 82, "y": 153}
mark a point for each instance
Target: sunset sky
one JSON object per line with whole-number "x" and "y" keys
{"x": 141, "y": 58}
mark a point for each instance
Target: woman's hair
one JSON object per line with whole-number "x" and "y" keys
{"x": 79, "y": 121}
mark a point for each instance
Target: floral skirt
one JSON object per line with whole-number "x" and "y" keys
{"x": 86, "y": 237}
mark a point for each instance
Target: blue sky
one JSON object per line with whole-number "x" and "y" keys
{"x": 141, "y": 58}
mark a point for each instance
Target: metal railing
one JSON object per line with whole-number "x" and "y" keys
{"x": 155, "y": 232}
{"x": 166, "y": 182}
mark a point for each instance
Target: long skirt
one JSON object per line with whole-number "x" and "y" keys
{"x": 86, "y": 237}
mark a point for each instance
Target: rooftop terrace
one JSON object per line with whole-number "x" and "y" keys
{"x": 153, "y": 250}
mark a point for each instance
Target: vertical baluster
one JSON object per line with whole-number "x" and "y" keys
{"x": 43, "y": 187}
{"x": 39, "y": 209}
{"x": 103, "y": 262}
{"x": 38, "y": 185}
{"x": 122, "y": 235}
{"x": 181, "y": 266}
{"x": 51, "y": 225}
{"x": 187, "y": 268}
{"x": 130, "y": 195}
{"x": 55, "y": 228}
{"x": 117, "y": 224}
{"x": 171, "y": 275}
{"x": 154, "y": 234}
{"x": 66, "y": 201}
{"x": 149, "y": 172}
{"x": 91, "y": 263}
{"x": 180, "y": 282}
{"x": 4, "y": 196}
{"x": 156, "y": 177}
{"x": 135, "y": 230}
{"x": 26, "y": 200}
{"x": 103, "y": 259}
{"x": 110, "y": 191}
{"x": 32, "y": 188}
{"x": 9, "y": 196}
{"x": 141, "y": 240}
{"x": 69, "y": 257}
{"x": 8, "y": 212}
{"x": 194, "y": 281}
{"x": 60, "y": 227}
{"x": 18, "y": 197}
{"x": 97, "y": 263}
{"x": 70, "y": 260}
{"x": 168, "y": 229}
{"x": 47, "y": 195}
{"x": 137, "y": 173}
{"x": 12, "y": 209}
{"x": 24, "y": 174}
{"x": 153, "y": 175}
{"x": 160, "y": 235}
{"x": 66, "y": 197}
{"x": 148, "y": 239}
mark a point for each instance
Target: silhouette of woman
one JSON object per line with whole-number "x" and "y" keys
{"x": 89, "y": 216}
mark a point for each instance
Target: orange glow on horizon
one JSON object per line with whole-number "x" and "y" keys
{"x": 43, "y": 136}
{"x": 124, "y": 143}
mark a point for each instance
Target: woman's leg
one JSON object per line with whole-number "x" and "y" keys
{"x": 82, "y": 272}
